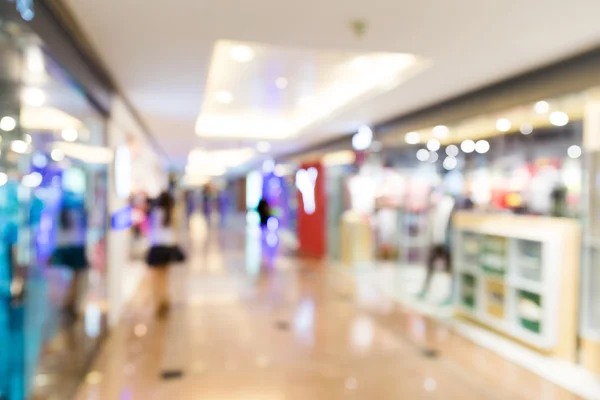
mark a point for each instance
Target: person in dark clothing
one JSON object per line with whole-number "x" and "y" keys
{"x": 264, "y": 212}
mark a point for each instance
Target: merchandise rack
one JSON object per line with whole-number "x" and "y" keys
{"x": 519, "y": 276}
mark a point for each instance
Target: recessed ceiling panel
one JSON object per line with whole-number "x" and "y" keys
{"x": 265, "y": 92}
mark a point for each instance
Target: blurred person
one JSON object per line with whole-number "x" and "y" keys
{"x": 441, "y": 217}
{"x": 71, "y": 249}
{"x": 163, "y": 250}
{"x": 264, "y": 212}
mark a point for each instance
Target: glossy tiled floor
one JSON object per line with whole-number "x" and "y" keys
{"x": 254, "y": 326}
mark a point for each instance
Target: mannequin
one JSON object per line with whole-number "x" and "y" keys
{"x": 440, "y": 237}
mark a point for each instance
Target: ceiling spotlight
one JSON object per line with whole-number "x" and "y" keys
{"x": 69, "y": 134}
{"x": 281, "y": 83}
{"x": 34, "y": 97}
{"x": 574, "y": 151}
{"x": 263, "y": 147}
{"x": 542, "y": 107}
{"x": 482, "y": 146}
{"x": 449, "y": 163}
{"x": 440, "y": 131}
{"x": 361, "y": 63}
{"x": 559, "y": 118}
{"x": 19, "y": 146}
{"x": 422, "y": 155}
{"x": 526, "y": 129}
{"x": 452, "y": 151}
{"x": 468, "y": 146}
{"x": 7, "y": 124}
{"x": 57, "y": 155}
{"x": 242, "y": 53}
{"x": 412, "y": 137}
{"x": 503, "y": 125}
{"x": 223, "y": 97}
{"x": 433, "y": 144}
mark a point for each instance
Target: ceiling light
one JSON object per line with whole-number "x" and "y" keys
{"x": 281, "y": 83}
{"x": 7, "y": 124}
{"x": 361, "y": 63}
{"x": 503, "y": 125}
{"x": 263, "y": 147}
{"x": 559, "y": 118}
{"x": 34, "y": 97}
{"x": 526, "y": 128}
{"x": 433, "y": 144}
{"x": 433, "y": 156}
{"x": 19, "y": 146}
{"x": 242, "y": 53}
{"x": 468, "y": 146}
{"x": 34, "y": 59}
{"x": 440, "y": 131}
{"x": 542, "y": 107}
{"x": 412, "y": 137}
{"x": 362, "y": 139}
{"x": 205, "y": 170}
{"x": 422, "y": 155}
{"x": 57, "y": 155}
{"x": 342, "y": 157}
{"x": 449, "y": 163}
{"x": 223, "y": 97}
{"x": 69, "y": 134}
{"x": 574, "y": 151}
{"x": 305, "y": 101}
{"x": 87, "y": 153}
{"x": 482, "y": 146}
{"x": 27, "y": 138}
{"x": 3, "y": 178}
{"x": 452, "y": 150}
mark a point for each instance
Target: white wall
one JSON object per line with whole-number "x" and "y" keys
{"x": 147, "y": 173}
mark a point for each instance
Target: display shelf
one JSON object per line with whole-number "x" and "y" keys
{"x": 526, "y": 284}
{"x": 514, "y": 274}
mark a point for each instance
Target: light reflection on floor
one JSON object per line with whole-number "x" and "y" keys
{"x": 254, "y": 322}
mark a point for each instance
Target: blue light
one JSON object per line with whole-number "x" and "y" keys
{"x": 122, "y": 219}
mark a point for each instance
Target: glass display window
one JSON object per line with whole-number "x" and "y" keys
{"x": 53, "y": 194}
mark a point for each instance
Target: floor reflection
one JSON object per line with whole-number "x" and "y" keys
{"x": 254, "y": 322}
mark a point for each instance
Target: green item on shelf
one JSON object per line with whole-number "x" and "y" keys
{"x": 529, "y": 310}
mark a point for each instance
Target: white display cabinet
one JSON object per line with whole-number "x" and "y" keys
{"x": 515, "y": 274}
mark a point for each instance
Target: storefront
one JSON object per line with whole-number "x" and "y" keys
{"x": 520, "y": 236}
{"x": 70, "y": 156}
{"x": 54, "y": 164}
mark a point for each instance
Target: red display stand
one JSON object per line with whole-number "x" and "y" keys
{"x": 312, "y": 216}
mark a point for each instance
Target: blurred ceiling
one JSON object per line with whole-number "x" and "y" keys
{"x": 168, "y": 58}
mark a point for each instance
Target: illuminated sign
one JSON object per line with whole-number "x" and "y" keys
{"x": 305, "y": 182}
{"x": 25, "y": 8}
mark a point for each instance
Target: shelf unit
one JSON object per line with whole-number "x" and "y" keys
{"x": 515, "y": 274}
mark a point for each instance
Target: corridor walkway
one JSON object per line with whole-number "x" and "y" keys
{"x": 252, "y": 326}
